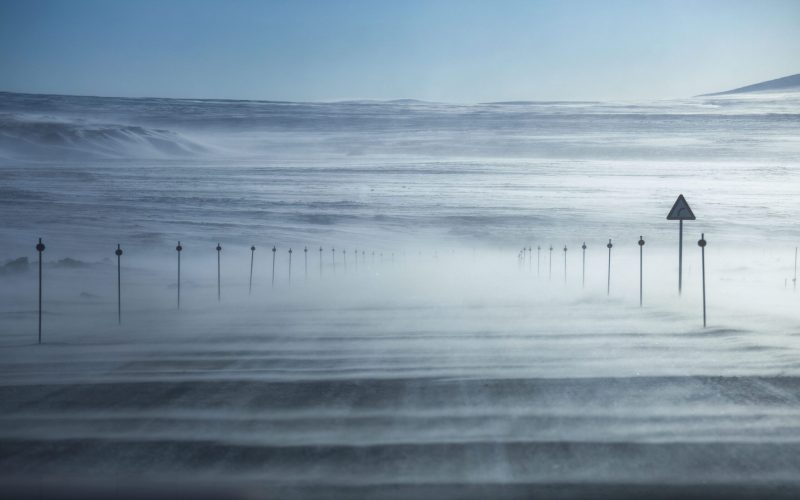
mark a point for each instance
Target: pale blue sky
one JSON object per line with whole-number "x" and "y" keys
{"x": 445, "y": 50}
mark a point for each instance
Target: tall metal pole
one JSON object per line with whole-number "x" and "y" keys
{"x": 219, "y": 281}
{"x": 641, "y": 269}
{"x": 252, "y": 257}
{"x": 608, "y": 289}
{"x": 118, "y": 253}
{"x": 274, "y": 250}
{"x": 702, "y": 244}
{"x": 320, "y": 262}
{"x": 583, "y": 271}
{"x": 40, "y": 249}
{"x": 565, "y": 263}
{"x": 179, "y": 249}
{"x": 680, "y": 256}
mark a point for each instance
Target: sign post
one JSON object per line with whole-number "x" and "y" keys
{"x": 680, "y": 212}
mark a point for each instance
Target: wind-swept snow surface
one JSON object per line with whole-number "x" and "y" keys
{"x": 415, "y": 356}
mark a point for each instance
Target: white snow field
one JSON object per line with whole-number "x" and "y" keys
{"x": 434, "y": 364}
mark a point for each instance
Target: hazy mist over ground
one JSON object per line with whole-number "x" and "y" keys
{"x": 416, "y": 354}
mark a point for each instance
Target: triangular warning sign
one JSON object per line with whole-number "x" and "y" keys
{"x": 680, "y": 210}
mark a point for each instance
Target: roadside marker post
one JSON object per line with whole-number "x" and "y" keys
{"x": 40, "y": 249}
{"x": 702, "y": 244}
{"x": 538, "y": 260}
{"x": 118, "y": 253}
{"x": 608, "y": 288}
{"x": 219, "y": 281}
{"x": 641, "y": 269}
{"x": 252, "y": 256}
{"x": 179, "y": 249}
{"x": 583, "y": 271}
{"x": 274, "y": 250}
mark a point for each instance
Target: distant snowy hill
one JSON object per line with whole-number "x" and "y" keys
{"x": 787, "y": 83}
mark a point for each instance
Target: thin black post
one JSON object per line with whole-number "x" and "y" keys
{"x": 538, "y": 260}
{"x": 550, "y": 272}
{"x": 179, "y": 249}
{"x": 608, "y": 289}
{"x": 702, "y": 244}
{"x": 252, "y": 257}
{"x": 583, "y": 271}
{"x": 40, "y": 249}
{"x": 333, "y": 259}
{"x": 305, "y": 262}
{"x": 530, "y": 260}
{"x": 119, "y": 285}
{"x": 290, "y": 267}
{"x": 219, "y": 282}
{"x": 273, "y": 265}
{"x": 641, "y": 269}
{"x": 565, "y": 263}
{"x": 680, "y": 256}
{"x": 356, "y": 254}
{"x": 344, "y": 258}
{"x": 320, "y": 261}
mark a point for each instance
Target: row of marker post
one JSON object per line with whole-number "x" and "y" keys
{"x": 701, "y": 243}
{"x": 40, "y": 247}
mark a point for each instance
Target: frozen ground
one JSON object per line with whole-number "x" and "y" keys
{"x": 439, "y": 367}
